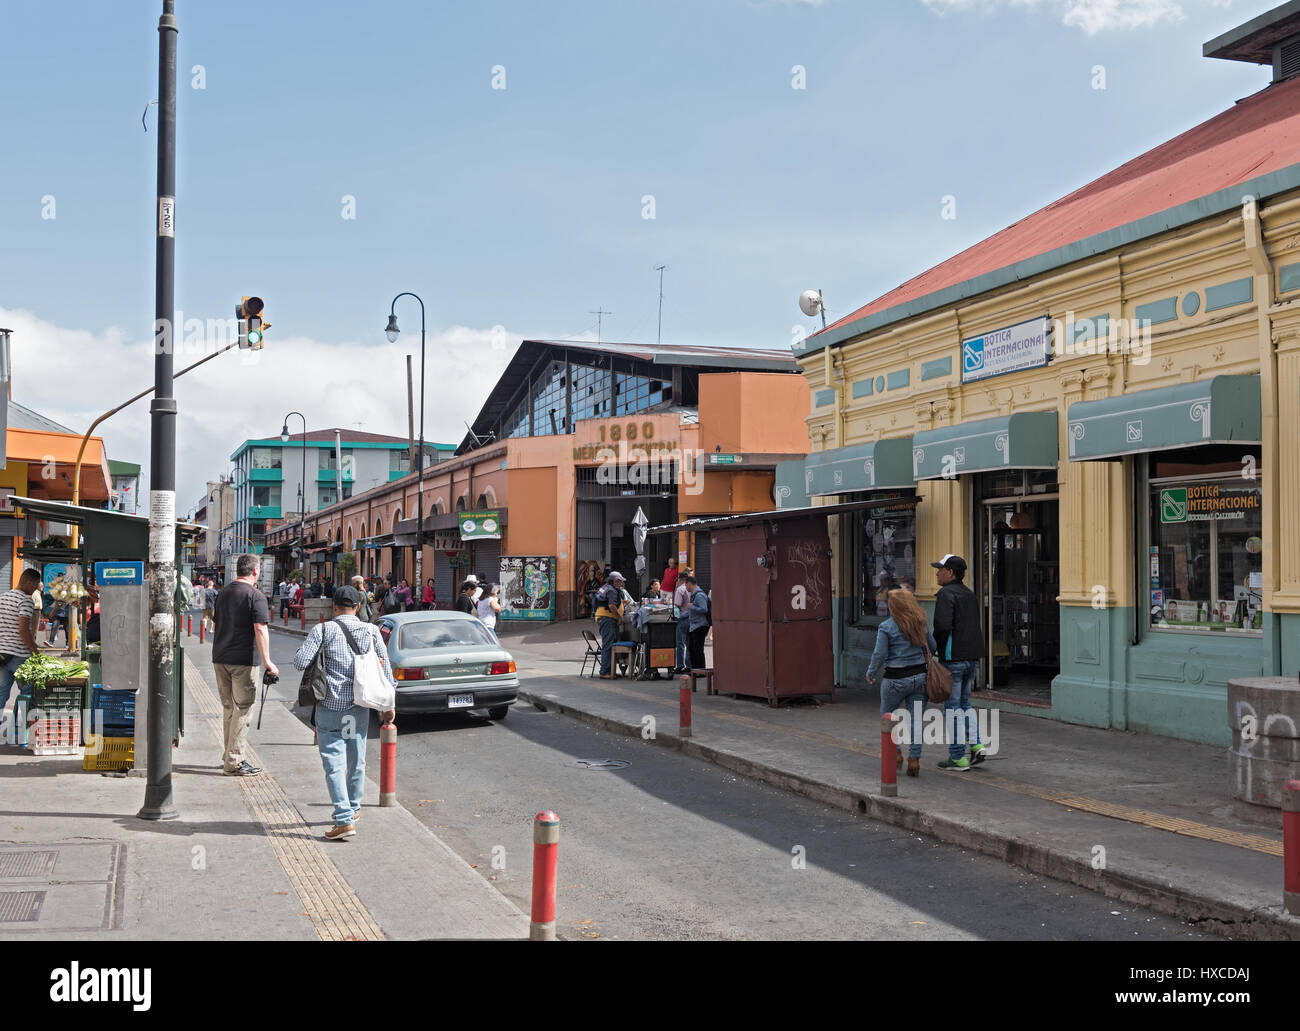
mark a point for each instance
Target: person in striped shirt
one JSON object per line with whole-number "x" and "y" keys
{"x": 17, "y": 630}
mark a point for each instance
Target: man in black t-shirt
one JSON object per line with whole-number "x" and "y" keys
{"x": 240, "y": 622}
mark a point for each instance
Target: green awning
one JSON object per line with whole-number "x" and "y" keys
{"x": 1220, "y": 410}
{"x": 1022, "y": 440}
{"x": 789, "y": 489}
{"x": 878, "y": 466}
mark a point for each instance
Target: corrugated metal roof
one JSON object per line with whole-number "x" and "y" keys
{"x": 1257, "y": 136}
{"x": 23, "y": 418}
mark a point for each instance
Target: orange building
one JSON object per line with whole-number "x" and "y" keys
{"x": 575, "y": 438}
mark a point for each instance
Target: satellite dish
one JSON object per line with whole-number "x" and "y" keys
{"x": 810, "y": 302}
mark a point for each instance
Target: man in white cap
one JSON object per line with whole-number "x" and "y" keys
{"x": 609, "y": 613}
{"x": 476, "y": 588}
{"x": 960, "y": 643}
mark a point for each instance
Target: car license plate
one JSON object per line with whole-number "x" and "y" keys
{"x": 460, "y": 701}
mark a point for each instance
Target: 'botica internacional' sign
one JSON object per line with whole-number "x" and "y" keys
{"x": 1022, "y": 346}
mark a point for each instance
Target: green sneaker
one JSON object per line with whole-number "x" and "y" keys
{"x": 960, "y": 765}
{"x": 977, "y": 754}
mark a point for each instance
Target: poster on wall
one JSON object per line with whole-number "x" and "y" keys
{"x": 527, "y": 587}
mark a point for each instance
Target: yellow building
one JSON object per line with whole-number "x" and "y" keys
{"x": 1099, "y": 408}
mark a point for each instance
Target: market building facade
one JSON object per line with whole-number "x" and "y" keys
{"x": 1099, "y": 408}
{"x": 572, "y": 440}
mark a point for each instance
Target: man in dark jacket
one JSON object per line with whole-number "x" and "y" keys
{"x": 960, "y": 642}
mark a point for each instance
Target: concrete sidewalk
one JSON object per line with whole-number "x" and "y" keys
{"x": 244, "y": 861}
{"x": 1142, "y": 819}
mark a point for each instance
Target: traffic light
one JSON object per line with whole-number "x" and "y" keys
{"x": 251, "y": 326}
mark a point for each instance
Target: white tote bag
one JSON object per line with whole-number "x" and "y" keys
{"x": 370, "y": 688}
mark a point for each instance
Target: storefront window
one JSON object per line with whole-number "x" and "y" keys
{"x": 888, "y": 543}
{"x": 1206, "y": 552}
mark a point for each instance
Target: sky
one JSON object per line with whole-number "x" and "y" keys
{"x": 522, "y": 165}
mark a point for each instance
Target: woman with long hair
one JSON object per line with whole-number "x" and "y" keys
{"x": 901, "y": 643}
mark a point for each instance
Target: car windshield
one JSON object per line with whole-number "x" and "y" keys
{"x": 444, "y": 633}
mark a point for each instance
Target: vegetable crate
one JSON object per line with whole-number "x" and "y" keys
{"x": 57, "y": 697}
{"x": 57, "y": 735}
{"x": 109, "y": 754}
{"x": 118, "y": 708}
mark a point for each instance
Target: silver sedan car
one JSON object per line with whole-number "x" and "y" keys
{"x": 445, "y": 661}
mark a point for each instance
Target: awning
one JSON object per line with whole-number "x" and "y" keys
{"x": 1022, "y": 440}
{"x": 711, "y": 523}
{"x": 789, "y": 489}
{"x": 1219, "y": 410}
{"x": 877, "y": 466}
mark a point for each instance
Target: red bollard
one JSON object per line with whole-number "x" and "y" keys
{"x": 203, "y": 626}
{"x": 1291, "y": 847}
{"x": 888, "y": 757}
{"x": 388, "y": 764}
{"x": 546, "y": 846}
{"x": 684, "y": 708}
{"x": 302, "y": 614}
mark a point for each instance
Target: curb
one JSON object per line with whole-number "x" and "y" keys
{"x": 1210, "y": 913}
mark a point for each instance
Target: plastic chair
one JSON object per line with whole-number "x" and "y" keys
{"x": 592, "y": 653}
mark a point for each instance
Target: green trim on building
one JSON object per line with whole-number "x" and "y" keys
{"x": 1222, "y": 409}
{"x": 823, "y": 398}
{"x": 898, "y": 378}
{"x": 1191, "y": 303}
{"x": 1227, "y": 295}
{"x": 935, "y": 369}
{"x": 790, "y": 486}
{"x": 266, "y": 474}
{"x": 397, "y": 474}
{"x": 329, "y": 476}
{"x": 1155, "y": 312}
{"x": 1022, "y": 440}
{"x": 116, "y": 468}
{"x": 264, "y": 512}
{"x": 863, "y": 388}
{"x": 1288, "y": 278}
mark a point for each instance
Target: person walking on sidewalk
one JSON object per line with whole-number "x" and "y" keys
{"x": 239, "y": 627}
{"x": 341, "y": 726}
{"x": 489, "y": 606}
{"x": 363, "y": 605}
{"x": 960, "y": 647}
{"x": 700, "y": 618}
{"x": 901, "y": 641}
{"x": 17, "y": 632}
{"x": 682, "y": 602}
{"x": 209, "y": 603}
{"x": 465, "y": 603}
{"x": 609, "y": 613}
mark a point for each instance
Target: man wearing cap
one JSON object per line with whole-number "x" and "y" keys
{"x": 609, "y": 613}
{"x": 960, "y": 641}
{"x": 341, "y": 725}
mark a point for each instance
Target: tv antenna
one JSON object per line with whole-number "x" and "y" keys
{"x": 599, "y": 313}
{"x": 660, "y": 270}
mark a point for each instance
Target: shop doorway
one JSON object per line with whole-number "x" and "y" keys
{"x": 1019, "y": 581}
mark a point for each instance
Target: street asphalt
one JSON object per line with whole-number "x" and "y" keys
{"x": 668, "y": 847}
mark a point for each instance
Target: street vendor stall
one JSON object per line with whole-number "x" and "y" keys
{"x": 116, "y": 545}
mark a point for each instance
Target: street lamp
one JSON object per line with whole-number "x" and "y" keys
{"x": 391, "y": 332}
{"x": 302, "y": 497}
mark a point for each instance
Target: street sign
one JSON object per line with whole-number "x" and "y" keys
{"x": 717, "y": 459}
{"x": 107, "y": 573}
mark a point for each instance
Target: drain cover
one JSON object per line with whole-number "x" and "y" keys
{"x": 600, "y": 764}
{"x": 20, "y": 906}
{"x": 29, "y": 865}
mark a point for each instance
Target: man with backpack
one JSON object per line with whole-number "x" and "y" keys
{"x": 960, "y": 641}
{"x": 700, "y": 619}
{"x": 341, "y": 725}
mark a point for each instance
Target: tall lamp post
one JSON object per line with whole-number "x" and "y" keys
{"x": 391, "y": 332}
{"x": 158, "y": 803}
{"x": 302, "y": 496}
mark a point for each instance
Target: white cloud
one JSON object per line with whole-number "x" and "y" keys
{"x": 74, "y": 375}
{"x": 1091, "y": 16}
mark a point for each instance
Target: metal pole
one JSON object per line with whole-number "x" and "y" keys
{"x": 419, "y": 457}
{"x": 158, "y": 803}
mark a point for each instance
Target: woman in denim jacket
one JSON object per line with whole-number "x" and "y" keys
{"x": 901, "y": 641}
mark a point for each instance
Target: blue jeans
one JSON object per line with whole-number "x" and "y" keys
{"x": 907, "y": 693}
{"x": 341, "y": 738}
{"x": 957, "y": 708}
{"x": 608, "y": 637}
{"x": 683, "y": 641}
{"x": 7, "y": 671}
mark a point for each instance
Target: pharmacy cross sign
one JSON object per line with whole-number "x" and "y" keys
{"x": 1173, "y": 505}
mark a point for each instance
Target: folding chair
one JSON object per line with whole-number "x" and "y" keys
{"x": 592, "y": 653}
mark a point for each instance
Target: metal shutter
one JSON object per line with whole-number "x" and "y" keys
{"x": 442, "y": 580}
{"x": 486, "y": 562}
{"x": 703, "y": 548}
